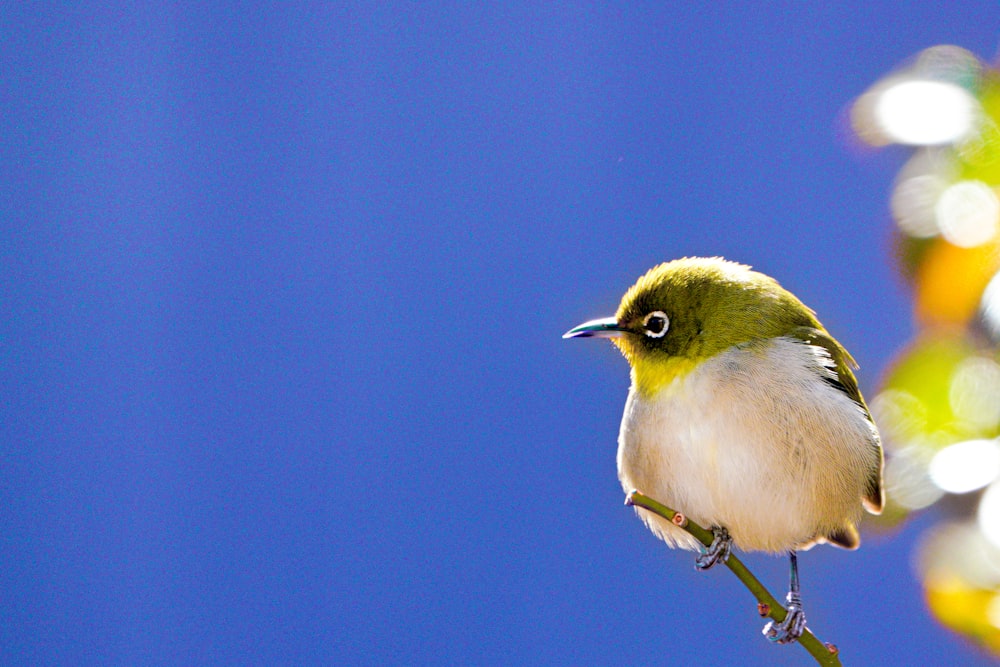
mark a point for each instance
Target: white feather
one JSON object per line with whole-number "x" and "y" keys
{"x": 753, "y": 440}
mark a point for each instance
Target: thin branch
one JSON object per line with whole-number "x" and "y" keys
{"x": 767, "y": 605}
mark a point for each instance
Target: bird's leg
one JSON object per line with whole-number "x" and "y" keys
{"x": 791, "y": 628}
{"x": 718, "y": 551}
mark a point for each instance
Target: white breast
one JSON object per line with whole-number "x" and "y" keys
{"x": 753, "y": 440}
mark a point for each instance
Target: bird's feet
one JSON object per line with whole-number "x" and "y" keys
{"x": 718, "y": 551}
{"x": 790, "y": 629}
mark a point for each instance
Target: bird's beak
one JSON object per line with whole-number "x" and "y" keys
{"x": 607, "y": 327}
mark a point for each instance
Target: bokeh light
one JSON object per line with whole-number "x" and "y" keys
{"x": 993, "y": 611}
{"x": 960, "y": 570}
{"x": 914, "y": 204}
{"x": 965, "y": 466}
{"x": 967, "y": 213}
{"x": 974, "y": 393}
{"x": 939, "y": 404}
{"x": 908, "y": 484}
{"x": 927, "y": 102}
{"x": 990, "y": 308}
{"x": 924, "y": 113}
{"x": 949, "y": 282}
{"x": 989, "y": 514}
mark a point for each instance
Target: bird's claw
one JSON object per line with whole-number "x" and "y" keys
{"x": 718, "y": 551}
{"x": 790, "y": 629}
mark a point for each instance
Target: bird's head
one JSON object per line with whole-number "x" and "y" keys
{"x": 685, "y": 311}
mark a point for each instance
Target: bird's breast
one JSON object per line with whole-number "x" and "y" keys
{"x": 754, "y": 440}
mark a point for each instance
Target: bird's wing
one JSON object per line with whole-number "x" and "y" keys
{"x": 841, "y": 376}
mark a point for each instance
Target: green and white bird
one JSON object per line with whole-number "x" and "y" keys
{"x": 743, "y": 414}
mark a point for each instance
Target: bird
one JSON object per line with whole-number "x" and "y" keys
{"x": 744, "y": 414}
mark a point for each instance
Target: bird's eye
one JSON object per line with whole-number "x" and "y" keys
{"x": 655, "y": 324}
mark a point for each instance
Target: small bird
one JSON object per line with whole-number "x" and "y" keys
{"x": 744, "y": 414}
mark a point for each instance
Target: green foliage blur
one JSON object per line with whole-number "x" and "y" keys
{"x": 938, "y": 406}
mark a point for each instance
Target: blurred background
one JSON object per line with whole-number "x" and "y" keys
{"x": 283, "y": 380}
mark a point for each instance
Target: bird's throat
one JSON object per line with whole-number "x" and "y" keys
{"x": 650, "y": 377}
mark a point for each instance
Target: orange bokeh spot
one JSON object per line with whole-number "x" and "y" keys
{"x": 950, "y": 280}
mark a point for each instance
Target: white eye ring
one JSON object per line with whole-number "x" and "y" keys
{"x": 656, "y": 314}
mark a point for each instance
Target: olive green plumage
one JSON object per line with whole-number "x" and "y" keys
{"x": 744, "y": 411}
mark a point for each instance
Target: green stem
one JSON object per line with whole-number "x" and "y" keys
{"x": 825, "y": 654}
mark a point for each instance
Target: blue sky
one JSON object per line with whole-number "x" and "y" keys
{"x": 283, "y": 374}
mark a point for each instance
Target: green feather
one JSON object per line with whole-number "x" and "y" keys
{"x": 714, "y": 305}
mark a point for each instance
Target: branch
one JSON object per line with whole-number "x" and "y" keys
{"x": 767, "y": 605}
